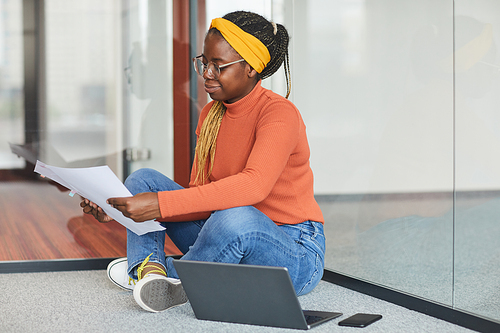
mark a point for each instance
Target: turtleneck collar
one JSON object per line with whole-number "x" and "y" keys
{"x": 246, "y": 104}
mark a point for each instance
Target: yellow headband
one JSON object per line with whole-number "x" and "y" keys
{"x": 248, "y": 47}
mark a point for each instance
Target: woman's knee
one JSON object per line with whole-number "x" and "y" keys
{"x": 311, "y": 274}
{"x": 238, "y": 221}
{"x": 149, "y": 180}
{"x": 138, "y": 177}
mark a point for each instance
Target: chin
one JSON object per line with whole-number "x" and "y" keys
{"x": 215, "y": 98}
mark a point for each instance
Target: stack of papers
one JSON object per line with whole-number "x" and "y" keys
{"x": 97, "y": 184}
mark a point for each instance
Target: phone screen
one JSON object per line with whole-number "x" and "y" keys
{"x": 360, "y": 320}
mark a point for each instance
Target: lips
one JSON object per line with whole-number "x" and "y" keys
{"x": 210, "y": 89}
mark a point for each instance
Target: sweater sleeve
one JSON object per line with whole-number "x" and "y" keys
{"x": 276, "y": 136}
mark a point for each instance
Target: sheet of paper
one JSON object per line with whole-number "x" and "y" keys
{"x": 97, "y": 184}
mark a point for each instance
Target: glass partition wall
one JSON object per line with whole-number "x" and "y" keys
{"x": 11, "y": 82}
{"x": 94, "y": 88}
{"x": 477, "y": 158}
{"x": 399, "y": 99}
{"x": 381, "y": 132}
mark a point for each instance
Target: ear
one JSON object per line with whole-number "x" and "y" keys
{"x": 252, "y": 73}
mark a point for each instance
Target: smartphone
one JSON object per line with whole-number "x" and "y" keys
{"x": 360, "y": 320}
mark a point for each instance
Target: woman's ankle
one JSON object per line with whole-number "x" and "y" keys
{"x": 152, "y": 268}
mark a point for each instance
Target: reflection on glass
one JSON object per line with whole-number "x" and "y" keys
{"x": 378, "y": 105}
{"x": 82, "y": 86}
{"x": 148, "y": 50}
{"x": 85, "y": 117}
{"x": 477, "y": 231}
{"x": 11, "y": 82}
{"x": 39, "y": 220}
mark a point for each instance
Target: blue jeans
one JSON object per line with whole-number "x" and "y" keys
{"x": 242, "y": 235}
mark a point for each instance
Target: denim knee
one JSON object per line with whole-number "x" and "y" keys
{"x": 138, "y": 177}
{"x": 149, "y": 180}
{"x": 236, "y": 222}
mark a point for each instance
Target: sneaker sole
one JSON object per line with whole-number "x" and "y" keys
{"x": 159, "y": 294}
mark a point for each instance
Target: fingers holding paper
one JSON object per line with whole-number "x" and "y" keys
{"x": 141, "y": 207}
{"x": 91, "y": 208}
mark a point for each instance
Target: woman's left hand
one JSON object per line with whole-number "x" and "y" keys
{"x": 141, "y": 207}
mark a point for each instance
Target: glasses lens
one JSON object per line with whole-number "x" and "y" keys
{"x": 214, "y": 71}
{"x": 211, "y": 69}
{"x": 199, "y": 67}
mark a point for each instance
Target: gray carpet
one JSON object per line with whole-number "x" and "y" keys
{"x": 87, "y": 301}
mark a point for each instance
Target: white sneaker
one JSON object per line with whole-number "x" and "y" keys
{"x": 117, "y": 273}
{"x": 157, "y": 293}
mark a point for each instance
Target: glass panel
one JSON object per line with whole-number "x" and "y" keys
{"x": 377, "y": 99}
{"x": 83, "y": 88}
{"x": 39, "y": 221}
{"x": 91, "y": 116}
{"x": 11, "y": 82}
{"x": 149, "y": 94}
{"x": 477, "y": 231}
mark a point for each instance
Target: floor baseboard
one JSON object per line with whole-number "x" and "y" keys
{"x": 56, "y": 265}
{"x": 440, "y": 311}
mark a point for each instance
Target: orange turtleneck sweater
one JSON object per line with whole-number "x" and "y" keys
{"x": 261, "y": 160}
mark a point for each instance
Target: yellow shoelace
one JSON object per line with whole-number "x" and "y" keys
{"x": 130, "y": 281}
{"x": 144, "y": 264}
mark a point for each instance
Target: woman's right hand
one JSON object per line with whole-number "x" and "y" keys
{"x": 91, "y": 208}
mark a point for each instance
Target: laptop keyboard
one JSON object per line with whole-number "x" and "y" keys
{"x": 312, "y": 319}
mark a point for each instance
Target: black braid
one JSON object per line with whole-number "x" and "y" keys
{"x": 263, "y": 30}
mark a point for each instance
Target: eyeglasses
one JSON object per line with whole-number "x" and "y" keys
{"x": 213, "y": 70}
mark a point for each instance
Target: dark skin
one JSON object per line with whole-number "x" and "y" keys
{"x": 235, "y": 82}
{"x": 141, "y": 207}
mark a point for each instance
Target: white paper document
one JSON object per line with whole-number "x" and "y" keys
{"x": 97, "y": 184}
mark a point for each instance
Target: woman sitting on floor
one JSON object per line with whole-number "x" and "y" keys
{"x": 251, "y": 198}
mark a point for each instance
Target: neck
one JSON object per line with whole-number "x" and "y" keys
{"x": 248, "y": 91}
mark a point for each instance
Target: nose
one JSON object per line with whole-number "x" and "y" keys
{"x": 208, "y": 74}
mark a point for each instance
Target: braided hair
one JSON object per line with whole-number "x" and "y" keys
{"x": 275, "y": 38}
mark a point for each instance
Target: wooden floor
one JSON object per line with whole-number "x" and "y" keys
{"x": 40, "y": 222}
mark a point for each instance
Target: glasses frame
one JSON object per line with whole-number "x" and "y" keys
{"x": 215, "y": 73}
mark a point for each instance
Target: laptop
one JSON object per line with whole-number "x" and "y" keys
{"x": 245, "y": 294}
